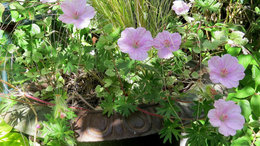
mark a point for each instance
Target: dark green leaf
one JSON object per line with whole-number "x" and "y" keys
{"x": 256, "y": 75}
{"x": 110, "y": 72}
{"x": 255, "y": 105}
{"x": 234, "y": 51}
{"x": 245, "y": 92}
{"x": 245, "y": 60}
{"x": 242, "y": 141}
{"x": 245, "y": 107}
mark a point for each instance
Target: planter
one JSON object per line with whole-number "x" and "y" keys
{"x": 90, "y": 126}
{"x": 93, "y": 126}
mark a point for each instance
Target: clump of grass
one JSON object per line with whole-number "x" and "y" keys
{"x": 151, "y": 14}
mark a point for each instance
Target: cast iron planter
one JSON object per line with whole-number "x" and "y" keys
{"x": 90, "y": 126}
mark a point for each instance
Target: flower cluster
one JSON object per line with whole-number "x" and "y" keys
{"x": 227, "y": 116}
{"x": 136, "y": 42}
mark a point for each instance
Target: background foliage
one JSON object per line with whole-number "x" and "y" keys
{"x": 37, "y": 47}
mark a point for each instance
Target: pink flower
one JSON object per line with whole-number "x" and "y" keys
{"x": 38, "y": 126}
{"x": 136, "y": 42}
{"x": 48, "y": 1}
{"x": 226, "y": 70}
{"x": 77, "y": 12}
{"x": 62, "y": 115}
{"x": 180, "y": 7}
{"x": 166, "y": 43}
{"x": 227, "y": 116}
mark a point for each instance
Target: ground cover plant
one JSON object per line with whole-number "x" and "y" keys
{"x": 114, "y": 55}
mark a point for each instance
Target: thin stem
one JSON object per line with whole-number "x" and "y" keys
{"x": 117, "y": 73}
{"x": 178, "y": 117}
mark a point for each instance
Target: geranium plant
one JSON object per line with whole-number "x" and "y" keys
{"x": 123, "y": 53}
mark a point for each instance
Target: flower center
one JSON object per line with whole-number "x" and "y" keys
{"x": 167, "y": 43}
{"x": 223, "y": 72}
{"x": 136, "y": 44}
{"x": 76, "y": 15}
{"x": 180, "y": 9}
{"x": 223, "y": 117}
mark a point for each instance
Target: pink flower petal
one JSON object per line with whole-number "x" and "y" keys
{"x": 77, "y": 12}
{"x": 165, "y": 54}
{"x": 219, "y": 103}
{"x": 89, "y": 13}
{"x": 226, "y": 131}
{"x": 135, "y": 42}
{"x": 229, "y": 83}
{"x": 226, "y": 70}
{"x": 229, "y": 61}
{"x": 214, "y": 118}
{"x": 66, "y": 19}
{"x": 67, "y": 10}
{"x": 215, "y": 63}
{"x": 227, "y": 116}
{"x": 235, "y": 121}
{"x": 166, "y": 43}
{"x": 138, "y": 55}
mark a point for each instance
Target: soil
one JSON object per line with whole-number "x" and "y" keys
{"x": 80, "y": 88}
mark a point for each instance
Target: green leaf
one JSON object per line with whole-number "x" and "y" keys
{"x": 255, "y": 105}
{"x": 115, "y": 33}
{"x": 108, "y": 28}
{"x": 35, "y": 29}
{"x": 108, "y": 82}
{"x": 99, "y": 89}
{"x": 234, "y": 51}
{"x": 256, "y": 75}
{"x": 37, "y": 56}
{"x": 2, "y": 9}
{"x": 18, "y": 6}
{"x": 108, "y": 64}
{"x": 49, "y": 88}
{"x": 125, "y": 106}
{"x": 220, "y": 36}
{"x": 210, "y": 45}
{"x": 245, "y": 60}
{"x": 110, "y": 72}
{"x": 237, "y": 38}
{"x": 257, "y": 10}
{"x": 255, "y": 124}
{"x": 14, "y": 139}
{"x": 231, "y": 96}
{"x": 242, "y": 141}
{"x": 14, "y": 14}
{"x": 11, "y": 48}
{"x": 257, "y": 142}
{"x": 196, "y": 49}
{"x": 4, "y": 128}
{"x": 245, "y": 92}
{"x": 108, "y": 106}
{"x": 245, "y": 107}
{"x": 195, "y": 75}
{"x": 168, "y": 130}
{"x": 45, "y": 71}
